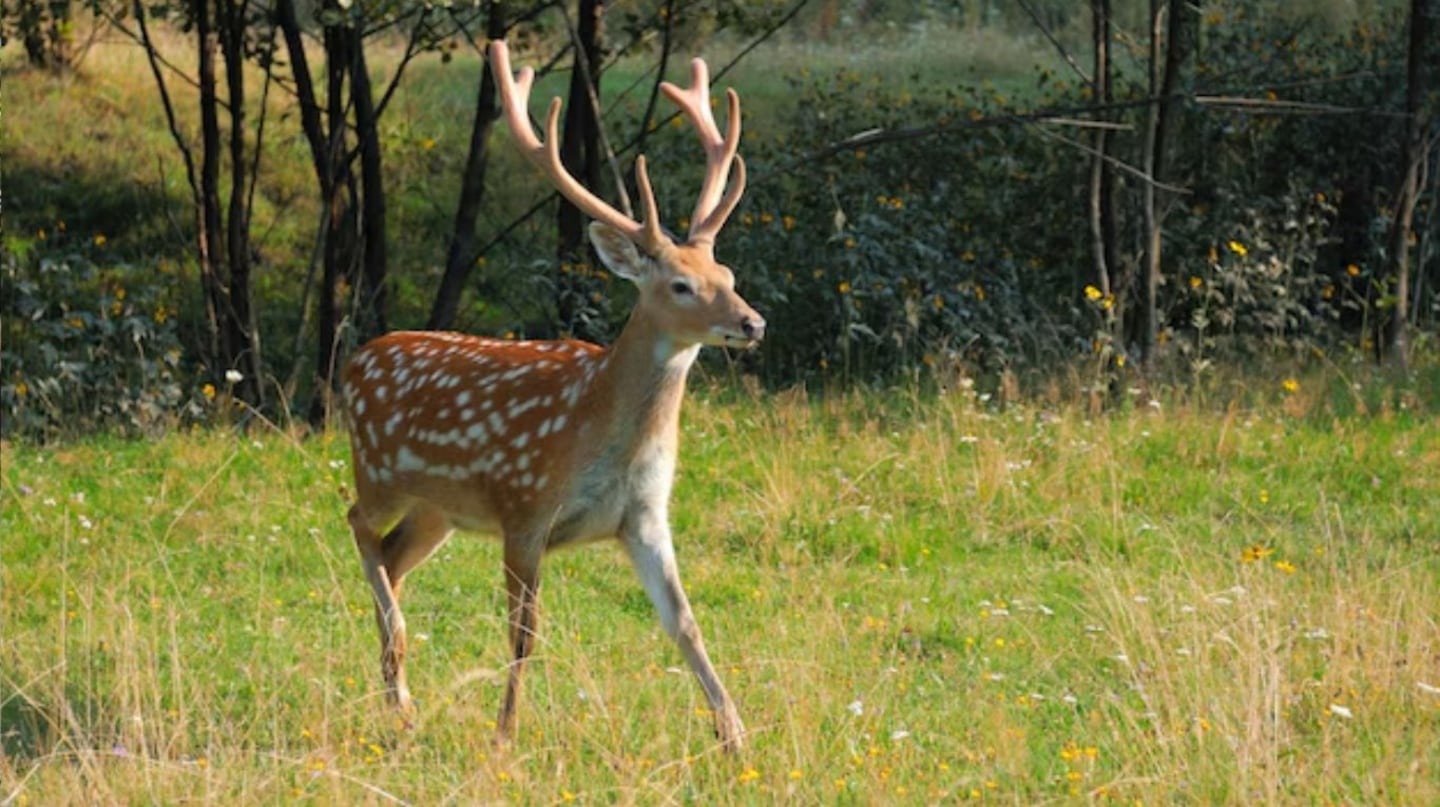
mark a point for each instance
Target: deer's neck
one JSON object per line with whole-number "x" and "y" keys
{"x": 643, "y": 386}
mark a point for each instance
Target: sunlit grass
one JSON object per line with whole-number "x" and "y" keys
{"x": 913, "y": 598}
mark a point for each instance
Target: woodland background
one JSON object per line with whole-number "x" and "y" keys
{"x": 208, "y": 205}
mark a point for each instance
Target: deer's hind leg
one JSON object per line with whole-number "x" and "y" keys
{"x": 386, "y": 560}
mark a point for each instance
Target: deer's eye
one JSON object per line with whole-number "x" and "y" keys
{"x": 681, "y": 288}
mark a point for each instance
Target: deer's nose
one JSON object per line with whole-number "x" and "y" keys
{"x": 753, "y": 328}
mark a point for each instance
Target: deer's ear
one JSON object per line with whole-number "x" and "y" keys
{"x": 617, "y": 252}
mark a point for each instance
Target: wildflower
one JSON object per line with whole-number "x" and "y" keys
{"x": 938, "y": 302}
{"x": 1092, "y": 293}
{"x": 797, "y": 774}
{"x": 844, "y": 287}
{"x": 234, "y": 376}
{"x": 849, "y": 243}
{"x": 1352, "y": 270}
{"x": 99, "y": 239}
{"x": 1290, "y": 385}
{"x": 788, "y": 222}
{"x": 1285, "y": 566}
{"x": 766, "y": 218}
{"x": 1264, "y": 496}
{"x": 428, "y": 143}
{"x": 208, "y": 391}
{"x": 1196, "y": 282}
{"x": 22, "y": 389}
{"x": 1255, "y": 552}
{"x": 979, "y": 292}
{"x": 1238, "y": 248}
{"x": 748, "y": 775}
{"x": 968, "y": 256}
{"x": 1341, "y": 711}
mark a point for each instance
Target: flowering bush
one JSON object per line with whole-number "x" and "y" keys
{"x": 86, "y": 347}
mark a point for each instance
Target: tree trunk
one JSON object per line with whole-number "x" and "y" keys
{"x": 210, "y": 238}
{"x": 373, "y": 315}
{"x": 580, "y": 141}
{"x": 241, "y": 333}
{"x": 1397, "y": 340}
{"x": 1176, "y": 46}
{"x": 460, "y": 258}
{"x": 341, "y": 231}
{"x": 1102, "y": 207}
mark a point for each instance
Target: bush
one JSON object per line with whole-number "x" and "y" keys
{"x": 88, "y": 347}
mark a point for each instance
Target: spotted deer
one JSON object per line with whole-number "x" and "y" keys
{"x": 552, "y": 443}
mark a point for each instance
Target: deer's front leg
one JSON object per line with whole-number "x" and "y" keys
{"x": 522, "y": 586}
{"x": 647, "y": 539}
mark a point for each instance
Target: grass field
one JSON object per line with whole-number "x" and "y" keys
{"x": 915, "y": 598}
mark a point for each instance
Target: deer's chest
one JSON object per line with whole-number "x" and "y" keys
{"x": 606, "y": 489}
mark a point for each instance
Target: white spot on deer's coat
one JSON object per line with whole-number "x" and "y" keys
{"x": 359, "y": 403}
{"x": 463, "y": 398}
{"x": 392, "y": 423}
{"x": 476, "y": 432}
{"x": 559, "y": 423}
{"x": 381, "y": 393}
{"x": 544, "y": 428}
{"x": 497, "y": 424}
{"x": 407, "y": 460}
{"x": 520, "y": 440}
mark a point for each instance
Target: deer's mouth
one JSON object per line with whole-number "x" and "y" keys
{"x": 738, "y": 341}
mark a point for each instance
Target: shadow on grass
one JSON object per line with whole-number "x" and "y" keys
{"x": 105, "y": 213}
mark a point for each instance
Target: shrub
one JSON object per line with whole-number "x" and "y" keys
{"x": 88, "y": 347}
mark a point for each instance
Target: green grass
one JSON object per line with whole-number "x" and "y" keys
{"x": 913, "y": 598}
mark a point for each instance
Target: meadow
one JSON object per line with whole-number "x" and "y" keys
{"x": 915, "y": 597}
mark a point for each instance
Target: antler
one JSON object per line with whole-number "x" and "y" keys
{"x": 515, "y": 97}
{"x": 711, "y": 210}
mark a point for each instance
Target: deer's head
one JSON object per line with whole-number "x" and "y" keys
{"x": 684, "y": 291}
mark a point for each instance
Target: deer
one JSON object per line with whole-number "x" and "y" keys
{"x": 551, "y": 444}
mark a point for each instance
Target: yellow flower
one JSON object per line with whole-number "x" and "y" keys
{"x": 1285, "y": 566}
{"x": 208, "y": 391}
{"x": 1196, "y": 282}
{"x": 979, "y": 292}
{"x": 1255, "y": 552}
{"x": 1092, "y": 293}
{"x": 99, "y": 239}
{"x": 844, "y": 287}
{"x": 428, "y": 143}
{"x": 1238, "y": 248}
{"x": 1352, "y": 270}
{"x": 849, "y": 243}
{"x": 748, "y": 775}
{"x": 788, "y": 222}
{"x": 1290, "y": 385}
{"x": 22, "y": 389}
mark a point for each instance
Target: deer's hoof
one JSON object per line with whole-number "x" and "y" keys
{"x": 729, "y": 729}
